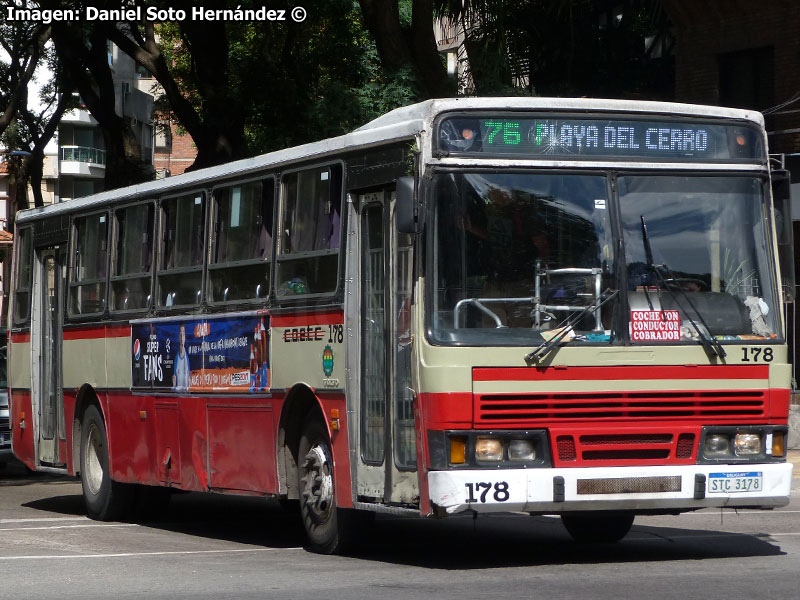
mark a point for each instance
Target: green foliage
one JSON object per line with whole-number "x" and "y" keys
{"x": 295, "y": 82}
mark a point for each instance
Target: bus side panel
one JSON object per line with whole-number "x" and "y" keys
{"x": 195, "y": 444}
{"x": 22, "y": 433}
{"x": 19, "y": 383}
{"x": 130, "y": 428}
{"x": 70, "y": 401}
{"x": 241, "y": 444}
{"x": 340, "y": 448}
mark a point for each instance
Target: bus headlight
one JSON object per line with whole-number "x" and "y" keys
{"x": 747, "y": 443}
{"x": 521, "y": 450}
{"x": 488, "y": 449}
{"x": 717, "y": 444}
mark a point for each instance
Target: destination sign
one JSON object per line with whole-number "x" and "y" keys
{"x": 581, "y": 138}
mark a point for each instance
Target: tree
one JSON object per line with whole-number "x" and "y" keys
{"x": 23, "y": 43}
{"x": 408, "y": 45}
{"x": 24, "y": 47}
{"x": 215, "y": 118}
{"x": 563, "y": 47}
{"x": 82, "y": 49}
{"x": 241, "y": 88}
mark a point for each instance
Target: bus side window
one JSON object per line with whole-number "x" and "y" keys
{"x": 240, "y": 265}
{"x": 87, "y": 286}
{"x": 311, "y": 214}
{"x": 22, "y": 294}
{"x": 131, "y": 274}
{"x": 180, "y": 272}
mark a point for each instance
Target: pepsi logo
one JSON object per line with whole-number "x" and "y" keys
{"x": 137, "y": 349}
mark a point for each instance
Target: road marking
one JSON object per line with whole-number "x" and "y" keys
{"x": 69, "y": 526}
{"x": 42, "y": 520}
{"x": 743, "y": 511}
{"x": 668, "y": 538}
{"x": 134, "y": 554}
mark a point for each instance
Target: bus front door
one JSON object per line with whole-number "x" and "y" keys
{"x": 48, "y": 296}
{"x": 387, "y": 467}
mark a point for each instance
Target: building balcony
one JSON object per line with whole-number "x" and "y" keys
{"x": 78, "y": 116}
{"x": 83, "y": 161}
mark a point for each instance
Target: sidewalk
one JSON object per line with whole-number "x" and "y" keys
{"x": 793, "y": 456}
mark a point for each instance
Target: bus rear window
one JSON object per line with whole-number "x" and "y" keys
{"x": 22, "y": 294}
{"x": 87, "y": 287}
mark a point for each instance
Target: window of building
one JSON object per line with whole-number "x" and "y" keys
{"x": 22, "y": 294}
{"x": 87, "y": 286}
{"x": 747, "y": 78}
{"x": 81, "y": 188}
{"x": 242, "y": 256}
{"x": 308, "y": 258}
{"x": 132, "y": 268}
{"x": 180, "y": 274}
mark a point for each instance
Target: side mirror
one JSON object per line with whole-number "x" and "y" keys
{"x": 406, "y": 213}
{"x": 782, "y": 208}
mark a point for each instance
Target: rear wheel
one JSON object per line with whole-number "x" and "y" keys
{"x": 598, "y": 528}
{"x": 325, "y": 524}
{"x": 105, "y": 499}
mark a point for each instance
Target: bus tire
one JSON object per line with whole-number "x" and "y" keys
{"x": 598, "y": 528}
{"x": 325, "y": 525}
{"x": 105, "y": 499}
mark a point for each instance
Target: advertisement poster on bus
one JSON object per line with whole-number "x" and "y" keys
{"x": 225, "y": 354}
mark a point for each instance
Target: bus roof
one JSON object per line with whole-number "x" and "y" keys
{"x": 401, "y": 123}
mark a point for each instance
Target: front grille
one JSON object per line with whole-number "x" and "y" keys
{"x": 526, "y": 410}
{"x": 685, "y": 446}
{"x": 566, "y": 448}
{"x": 629, "y": 485}
{"x": 624, "y": 448}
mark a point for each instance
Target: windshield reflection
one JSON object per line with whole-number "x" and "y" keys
{"x": 516, "y": 257}
{"x": 710, "y": 244}
{"x": 516, "y": 254}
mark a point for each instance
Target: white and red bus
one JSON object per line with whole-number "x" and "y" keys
{"x": 560, "y": 306}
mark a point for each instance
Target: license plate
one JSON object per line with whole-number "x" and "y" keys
{"x": 729, "y": 483}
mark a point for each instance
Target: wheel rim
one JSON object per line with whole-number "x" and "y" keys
{"x": 317, "y": 485}
{"x": 93, "y": 466}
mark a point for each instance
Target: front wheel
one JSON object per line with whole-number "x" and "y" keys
{"x": 597, "y": 527}
{"x": 105, "y": 499}
{"x": 324, "y": 523}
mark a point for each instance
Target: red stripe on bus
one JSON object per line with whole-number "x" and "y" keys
{"x": 97, "y": 332}
{"x": 321, "y": 318}
{"x": 21, "y": 338}
{"x": 620, "y": 373}
{"x": 779, "y": 401}
{"x": 446, "y": 408}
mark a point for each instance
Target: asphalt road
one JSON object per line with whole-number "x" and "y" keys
{"x": 220, "y": 547}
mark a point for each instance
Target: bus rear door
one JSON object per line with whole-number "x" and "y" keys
{"x": 46, "y": 328}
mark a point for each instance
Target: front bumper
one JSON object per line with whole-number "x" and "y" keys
{"x": 671, "y": 488}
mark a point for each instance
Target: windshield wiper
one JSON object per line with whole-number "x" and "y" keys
{"x": 711, "y": 346}
{"x": 567, "y": 325}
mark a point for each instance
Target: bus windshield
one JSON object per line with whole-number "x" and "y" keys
{"x": 710, "y": 252}
{"x": 519, "y": 256}
{"x": 517, "y": 253}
